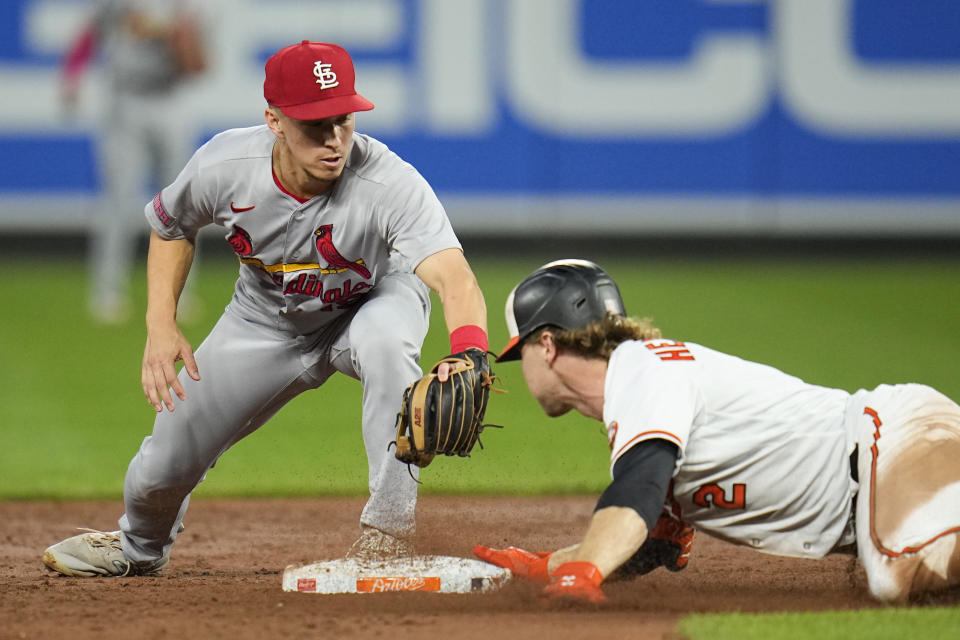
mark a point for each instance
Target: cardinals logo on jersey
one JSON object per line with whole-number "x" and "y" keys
{"x": 336, "y": 263}
{"x": 240, "y": 241}
{"x": 309, "y": 276}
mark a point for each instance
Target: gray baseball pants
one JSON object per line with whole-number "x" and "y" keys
{"x": 248, "y": 373}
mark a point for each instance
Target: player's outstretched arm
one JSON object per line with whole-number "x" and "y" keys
{"x": 168, "y": 263}
{"x": 464, "y": 309}
{"x": 450, "y": 402}
{"x": 576, "y": 572}
{"x": 614, "y": 535}
{"x": 448, "y": 273}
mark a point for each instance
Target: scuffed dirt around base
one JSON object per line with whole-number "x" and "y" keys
{"x": 224, "y": 577}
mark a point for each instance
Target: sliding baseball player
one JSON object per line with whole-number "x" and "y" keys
{"x": 702, "y": 440}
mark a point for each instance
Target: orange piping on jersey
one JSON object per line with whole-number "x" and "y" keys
{"x": 669, "y": 436}
{"x": 874, "y": 450}
{"x": 290, "y": 268}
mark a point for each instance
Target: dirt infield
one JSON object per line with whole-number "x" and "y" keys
{"x": 224, "y": 578}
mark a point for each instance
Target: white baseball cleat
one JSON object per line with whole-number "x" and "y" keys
{"x": 374, "y": 544}
{"x": 95, "y": 553}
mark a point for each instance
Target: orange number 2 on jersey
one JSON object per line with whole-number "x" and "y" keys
{"x": 713, "y": 494}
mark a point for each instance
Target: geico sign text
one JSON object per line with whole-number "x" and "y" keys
{"x": 460, "y": 61}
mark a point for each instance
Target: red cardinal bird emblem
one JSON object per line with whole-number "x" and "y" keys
{"x": 334, "y": 260}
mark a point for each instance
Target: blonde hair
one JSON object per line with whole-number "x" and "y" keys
{"x": 599, "y": 338}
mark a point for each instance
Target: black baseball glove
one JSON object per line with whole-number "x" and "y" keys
{"x": 444, "y": 417}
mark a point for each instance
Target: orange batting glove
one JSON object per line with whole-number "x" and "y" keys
{"x": 576, "y": 581}
{"x": 523, "y": 564}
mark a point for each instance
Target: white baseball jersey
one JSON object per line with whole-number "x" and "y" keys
{"x": 303, "y": 264}
{"x": 763, "y": 456}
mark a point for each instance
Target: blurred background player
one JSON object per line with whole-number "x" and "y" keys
{"x": 148, "y": 49}
{"x": 339, "y": 242}
{"x": 740, "y": 450}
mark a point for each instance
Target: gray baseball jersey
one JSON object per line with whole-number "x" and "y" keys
{"x": 304, "y": 263}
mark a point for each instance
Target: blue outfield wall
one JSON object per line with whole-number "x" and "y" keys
{"x": 793, "y": 116}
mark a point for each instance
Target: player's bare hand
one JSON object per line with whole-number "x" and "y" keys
{"x": 159, "y": 374}
{"x": 443, "y": 371}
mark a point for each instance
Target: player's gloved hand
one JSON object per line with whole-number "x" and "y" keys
{"x": 474, "y": 354}
{"x": 523, "y": 564}
{"x": 576, "y": 581}
{"x": 668, "y": 545}
{"x": 479, "y": 358}
{"x": 442, "y": 412}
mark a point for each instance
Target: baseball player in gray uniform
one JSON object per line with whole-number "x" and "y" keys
{"x": 148, "y": 48}
{"x": 338, "y": 240}
{"x": 736, "y": 449}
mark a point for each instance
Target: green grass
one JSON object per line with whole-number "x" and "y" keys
{"x": 72, "y": 412}
{"x": 876, "y": 624}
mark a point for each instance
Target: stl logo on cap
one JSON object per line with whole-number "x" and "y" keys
{"x": 312, "y": 81}
{"x": 326, "y": 78}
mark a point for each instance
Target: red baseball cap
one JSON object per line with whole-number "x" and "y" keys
{"x": 311, "y": 81}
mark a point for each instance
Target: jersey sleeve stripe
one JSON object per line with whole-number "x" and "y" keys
{"x": 666, "y": 435}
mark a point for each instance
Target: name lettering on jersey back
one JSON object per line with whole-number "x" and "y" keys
{"x": 714, "y": 495}
{"x": 669, "y": 350}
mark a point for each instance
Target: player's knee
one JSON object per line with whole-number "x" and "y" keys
{"x": 387, "y": 350}
{"x": 891, "y": 579}
{"x": 158, "y": 485}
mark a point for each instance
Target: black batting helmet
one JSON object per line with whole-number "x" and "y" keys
{"x": 567, "y": 293}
